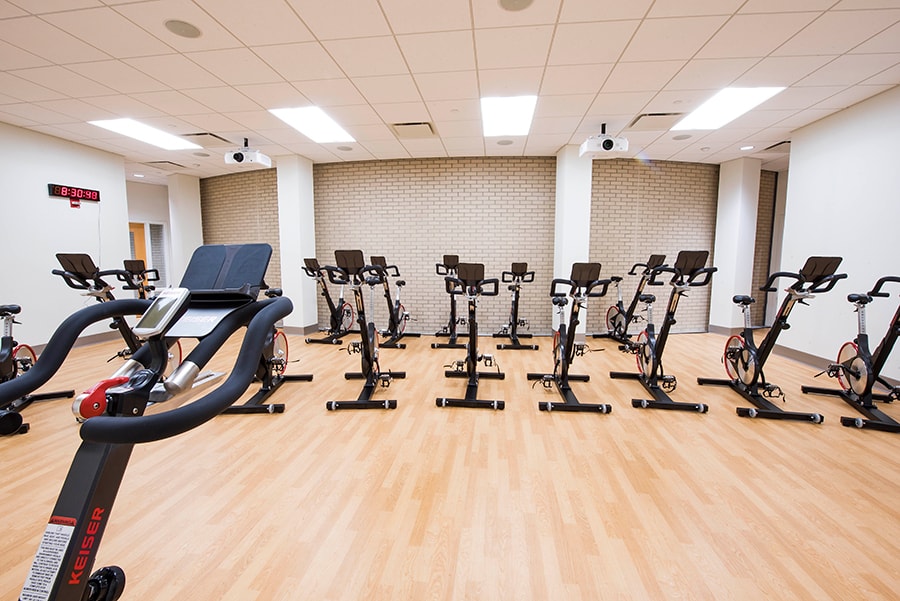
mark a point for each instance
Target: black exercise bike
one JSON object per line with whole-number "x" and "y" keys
{"x": 689, "y": 271}
{"x": 517, "y": 275}
{"x": 618, "y": 317}
{"x": 470, "y": 281}
{"x": 340, "y": 312}
{"x": 352, "y": 271}
{"x": 744, "y": 360}
{"x": 448, "y": 268}
{"x": 583, "y": 283}
{"x": 398, "y": 316}
{"x": 16, "y": 360}
{"x": 858, "y": 370}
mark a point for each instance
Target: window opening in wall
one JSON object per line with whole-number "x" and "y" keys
{"x": 158, "y": 252}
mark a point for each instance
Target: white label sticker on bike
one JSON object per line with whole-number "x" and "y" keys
{"x": 48, "y": 560}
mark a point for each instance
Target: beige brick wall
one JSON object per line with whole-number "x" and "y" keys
{"x": 242, "y": 208}
{"x": 765, "y": 215}
{"x": 641, "y": 208}
{"x": 494, "y": 211}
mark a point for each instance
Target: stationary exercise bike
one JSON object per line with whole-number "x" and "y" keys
{"x": 515, "y": 277}
{"x": 448, "y": 269}
{"x": 744, "y": 360}
{"x": 340, "y": 313}
{"x": 79, "y": 272}
{"x": 63, "y": 566}
{"x": 857, "y": 369}
{"x": 352, "y": 271}
{"x": 138, "y": 277}
{"x": 397, "y": 313}
{"x": 15, "y": 360}
{"x": 581, "y": 285}
{"x": 689, "y": 271}
{"x": 470, "y": 280}
{"x": 618, "y": 318}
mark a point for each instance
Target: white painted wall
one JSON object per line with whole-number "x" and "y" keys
{"x": 36, "y": 226}
{"x": 186, "y": 222}
{"x": 843, "y": 198}
{"x": 147, "y": 203}
{"x": 573, "y": 218}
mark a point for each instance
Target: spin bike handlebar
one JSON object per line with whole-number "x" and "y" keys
{"x": 488, "y": 287}
{"x": 816, "y": 286}
{"x": 149, "y": 428}
{"x": 574, "y": 288}
{"x": 678, "y": 278}
{"x": 645, "y": 268}
{"x": 876, "y": 291}
{"x": 509, "y": 277}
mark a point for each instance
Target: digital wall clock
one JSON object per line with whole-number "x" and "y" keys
{"x": 73, "y": 192}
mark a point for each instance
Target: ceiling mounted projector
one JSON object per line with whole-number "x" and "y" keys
{"x": 247, "y": 156}
{"x": 603, "y": 146}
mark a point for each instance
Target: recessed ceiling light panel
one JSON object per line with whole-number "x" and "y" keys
{"x": 145, "y": 133}
{"x": 507, "y": 115}
{"x": 726, "y": 106}
{"x": 314, "y": 123}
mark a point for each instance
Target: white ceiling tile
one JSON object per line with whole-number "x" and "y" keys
{"x": 176, "y": 71}
{"x": 272, "y": 95}
{"x": 887, "y": 77}
{"x": 387, "y": 89}
{"x": 850, "y": 69}
{"x": 754, "y": 35}
{"x": 490, "y": 14}
{"x": 672, "y": 8}
{"x": 64, "y": 81}
{"x": 677, "y": 101}
{"x": 152, "y": 15}
{"x": 587, "y": 43}
{"x": 121, "y": 38}
{"x": 592, "y": 10}
{"x": 14, "y": 119}
{"x": 7, "y": 10}
{"x": 171, "y": 102}
{"x": 387, "y": 149}
{"x": 257, "y": 120}
{"x": 125, "y": 106}
{"x": 886, "y": 41}
{"x": 438, "y": 51}
{"x": 620, "y": 102}
{"x": 800, "y": 98}
{"x": 353, "y": 115}
{"x": 710, "y": 73}
{"x": 118, "y": 76}
{"x": 78, "y": 110}
{"x": 341, "y": 19}
{"x": 510, "y": 82}
{"x": 777, "y": 6}
{"x": 838, "y": 32}
{"x": 36, "y": 113}
{"x": 235, "y": 66}
{"x": 367, "y": 56}
{"x": 265, "y": 23}
{"x": 512, "y": 47}
{"x": 415, "y": 16}
{"x": 402, "y": 112}
{"x": 450, "y": 86}
{"x": 455, "y": 110}
{"x": 330, "y": 92}
{"x": 16, "y": 58}
{"x": 42, "y": 39}
{"x": 465, "y": 146}
{"x": 781, "y": 70}
{"x": 224, "y": 99}
{"x": 459, "y": 129}
{"x": 429, "y": 147}
{"x": 545, "y": 144}
{"x": 574, "y": 79}
{"x": 373, "y": 132}
{"x": 300, "y": 62}
{"x": 563, "y": 106}
{"x": 636, "y": 77}
{"x": 24, "y": 90}
{"x": 666, "y": 39}
{"x": 851, "y": 96}
{"x": 554, "y": 125}
{"x": 212, "y": 122}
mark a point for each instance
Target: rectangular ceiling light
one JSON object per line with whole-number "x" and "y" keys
{"x": 145, "y": 133}
{"x": 726, "y": 106}
{"x": 312, "y": 122}
{"x": 507, "y": 116}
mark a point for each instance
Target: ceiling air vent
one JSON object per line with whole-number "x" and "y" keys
{"x": 781, "y": 147}
{"x": 165, "y": 165}
{"x": 413, "y": 131}
{"x": 208, "y": 140}
{"x": 655, "y": 121}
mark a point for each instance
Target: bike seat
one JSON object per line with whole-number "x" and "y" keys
{"x": 560, "y": 301}
{"x": 511, "y": 287}
{"x": 401, "y": 283}
{"x": 647, "y": 298}
{"x": 373, "y": 280}
{"x": 9, "y": 310}
{"x": 616, "y": 278}
{"x": 859, "y": 299}
{"x": 743, "y": 299}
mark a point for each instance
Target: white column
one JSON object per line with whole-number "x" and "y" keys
{"x": 573, "y": 215}
{"x": 185, "y": 222}
{"x": 735, "y": 241}
{"x": 297, "y": 237}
